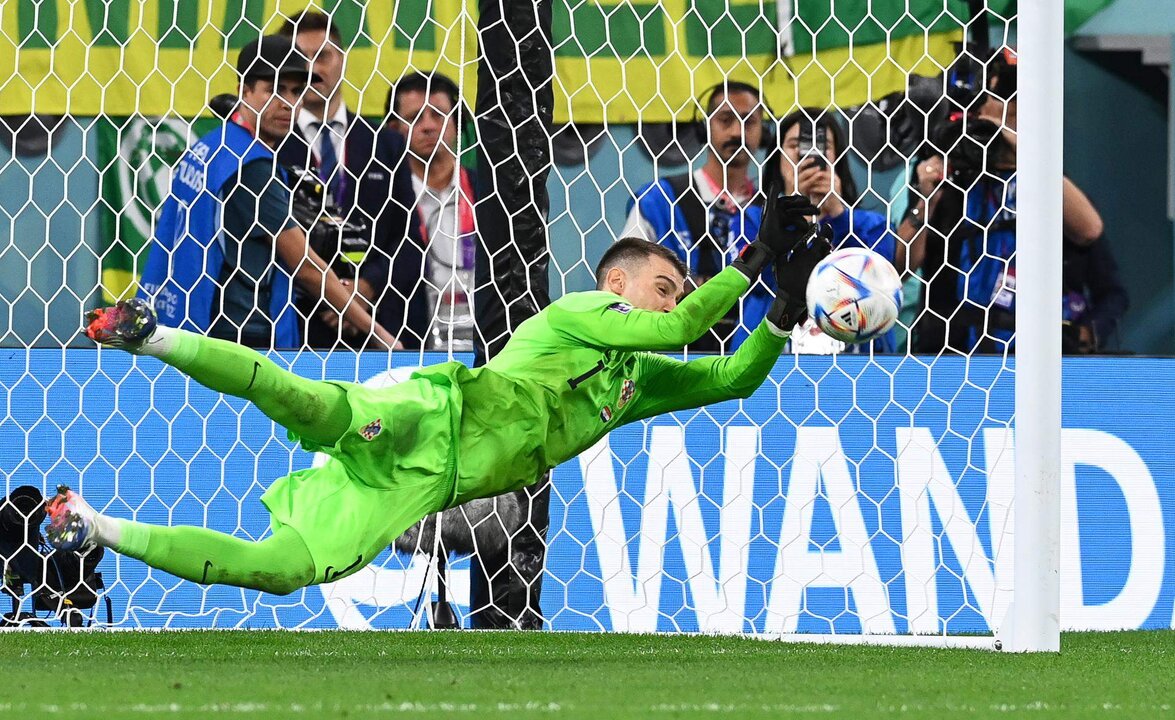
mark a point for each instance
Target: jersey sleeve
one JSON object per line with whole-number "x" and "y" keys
{"x": 667, "y": 384}
{"x": 605, "y": 321}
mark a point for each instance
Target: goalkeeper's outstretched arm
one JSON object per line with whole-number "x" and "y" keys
{"x": 593, "y": 321}
{"x": 671, "y": 385}
{"x": 619, "y": 326}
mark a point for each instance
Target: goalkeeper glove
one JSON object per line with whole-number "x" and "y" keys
{"x": 792, "y": 271}
{"x": 785, "y": 223}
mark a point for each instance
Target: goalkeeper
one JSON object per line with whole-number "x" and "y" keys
{"x": 568, "y": 376}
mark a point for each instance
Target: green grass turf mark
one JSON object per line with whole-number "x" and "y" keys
{"x": 563, "y": 675}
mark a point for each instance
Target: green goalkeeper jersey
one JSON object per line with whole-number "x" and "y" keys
{"x": 584, "y": 366}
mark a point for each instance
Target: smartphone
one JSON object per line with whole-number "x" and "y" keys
{"x": 813, "y": 142}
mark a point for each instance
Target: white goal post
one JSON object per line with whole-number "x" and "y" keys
{"x": 1035, "y": 620}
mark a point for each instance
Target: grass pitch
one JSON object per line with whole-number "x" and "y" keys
{"x": 559, "y": 675}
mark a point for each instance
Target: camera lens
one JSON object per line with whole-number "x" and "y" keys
{"x": 24, "y": 507}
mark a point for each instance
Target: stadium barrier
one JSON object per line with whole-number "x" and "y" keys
{"x": 847, "y": 495}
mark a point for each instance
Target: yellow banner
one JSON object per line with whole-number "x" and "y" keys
{"x": 614, "y": 61}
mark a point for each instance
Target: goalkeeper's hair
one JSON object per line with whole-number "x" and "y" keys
{"x": 630, "y": 251}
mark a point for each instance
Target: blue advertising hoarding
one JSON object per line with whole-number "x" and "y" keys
{"x": 847, "y": 495}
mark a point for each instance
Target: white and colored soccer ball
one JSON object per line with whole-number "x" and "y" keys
{"x": 854, "y": 295}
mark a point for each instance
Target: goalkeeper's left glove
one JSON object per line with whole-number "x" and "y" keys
{"x": 791, "y": 279}
{"x": 785, "y": 223}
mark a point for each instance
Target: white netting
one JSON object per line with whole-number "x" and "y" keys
{"x": 854, "y": 493}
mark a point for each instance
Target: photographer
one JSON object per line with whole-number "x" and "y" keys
{"x": 967, "y": 247}
{"x": 226, "y": 246}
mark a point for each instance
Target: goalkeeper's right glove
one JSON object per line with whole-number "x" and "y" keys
{"x": 792, "y": 271}
{"x": 785, "y": 223}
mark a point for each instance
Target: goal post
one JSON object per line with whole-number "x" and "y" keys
{"x": 876, "y": 497}
{"x": 1035, "y": 619}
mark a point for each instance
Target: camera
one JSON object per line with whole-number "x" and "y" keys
{"x": 813, "y": 142}
{"x": 343, "y": 244}
{"x": 60, "y": 583}
{"x": 968, "y": 144}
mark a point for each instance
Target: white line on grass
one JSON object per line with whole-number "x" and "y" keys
{"x": 741, "y": 708}
{"x": 247, "y": 708}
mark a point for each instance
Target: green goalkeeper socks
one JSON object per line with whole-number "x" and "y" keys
{"x": 313, "y": 410}
{"x": 280, "y": 564}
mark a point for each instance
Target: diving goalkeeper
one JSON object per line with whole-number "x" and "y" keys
{"x": 568, "y": 376}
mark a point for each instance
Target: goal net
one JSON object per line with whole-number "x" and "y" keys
{"x": 860, "y": 492}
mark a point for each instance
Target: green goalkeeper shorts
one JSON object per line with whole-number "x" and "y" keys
{"x": 394, "y": 465}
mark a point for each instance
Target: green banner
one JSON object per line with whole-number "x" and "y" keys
{"x": 136, "y": 156}
{"x": 615, "y": 60}
{"x": 1077, "y": 12}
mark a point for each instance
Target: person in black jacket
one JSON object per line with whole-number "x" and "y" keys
{"x": 363, "y": 172}
{"x": 1095, "y": 298}
{"x": 427, "y": 110}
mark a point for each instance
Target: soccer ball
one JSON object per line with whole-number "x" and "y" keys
{"x": 854, "y": 295}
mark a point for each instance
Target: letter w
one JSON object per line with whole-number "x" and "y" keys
{"x": 719, "y": 598}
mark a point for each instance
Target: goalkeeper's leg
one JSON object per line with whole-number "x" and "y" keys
{"x": 279, "y": 564}
{"x": 312, "y": 410}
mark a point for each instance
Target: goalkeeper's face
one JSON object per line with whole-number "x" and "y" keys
{"x": 653, "y": 284}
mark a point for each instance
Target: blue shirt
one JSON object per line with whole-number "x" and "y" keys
{"x": 193, "y": 262}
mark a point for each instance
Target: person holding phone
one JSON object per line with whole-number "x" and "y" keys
{"x": 811, "y": 160}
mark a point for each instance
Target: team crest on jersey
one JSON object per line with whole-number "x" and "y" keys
{"x": 621, "y": 307}
{"x": 371, "y": 429}
{"x": 606, "y": 414}
{"x": 627, "y": 390}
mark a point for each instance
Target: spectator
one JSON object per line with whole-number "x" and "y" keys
{"x": 362, "y": 169}
{"x": 913, "y": 197}
{"x": 426, "y": 109}
{"x": 708, "y": 216}
{"x": 211, "y": 266}
{"x": 823, "y": 175}
{"x": 968, "y": 251}
{"x": 1095, "y": 299}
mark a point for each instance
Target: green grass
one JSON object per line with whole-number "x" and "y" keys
{"x": 557, "y": 675}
